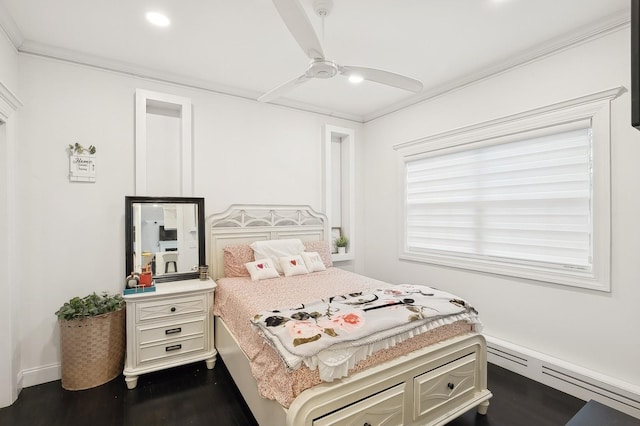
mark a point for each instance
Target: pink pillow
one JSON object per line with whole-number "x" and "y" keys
{"x": 235, "y": 258}
{"x": 323, "y": 249}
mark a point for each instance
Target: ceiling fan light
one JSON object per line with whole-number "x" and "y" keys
{"x": 356, "y": 78}
{"x": 158, "y": 19}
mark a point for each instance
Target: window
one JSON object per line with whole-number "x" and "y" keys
{"x": 524, "y": 201}
{"x": 524, "y": 196}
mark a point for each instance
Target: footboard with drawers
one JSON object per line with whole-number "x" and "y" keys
{"x": 433, "y": 386}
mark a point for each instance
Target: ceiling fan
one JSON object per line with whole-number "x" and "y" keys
{"x": 298, "y": 23}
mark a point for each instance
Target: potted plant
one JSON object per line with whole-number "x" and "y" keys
{"x": 92, "y": 340}
{"x": 77, "y": 149}
{"x": 341, "y": 244}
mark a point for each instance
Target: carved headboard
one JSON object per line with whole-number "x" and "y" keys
{"x": 246, "y": 223}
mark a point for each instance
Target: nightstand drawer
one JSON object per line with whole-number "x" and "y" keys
{"x": 172, "y": 349}
{"x": 438, "y": 390}
{"x": 383, "y": 408}
{"x": 170, "y": 308}
{"x": 163, "y": 332}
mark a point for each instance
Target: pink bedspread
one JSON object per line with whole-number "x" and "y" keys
{"x": 238, "y": 299}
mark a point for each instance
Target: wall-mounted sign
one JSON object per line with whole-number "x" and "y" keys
{"x": 82, "y": 168}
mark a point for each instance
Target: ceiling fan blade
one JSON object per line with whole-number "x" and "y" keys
{"x": 300, "y": 27}
{"x": 283, "y": 88}
{"x": 383, "y": 77}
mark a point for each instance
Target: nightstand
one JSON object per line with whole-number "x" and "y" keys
{"x": 169, "y": 327}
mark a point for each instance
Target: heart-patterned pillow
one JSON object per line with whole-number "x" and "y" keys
{"x": 293, "y": 265}
{"x": 262, "y": 269}
{"x": 313, "y": 261}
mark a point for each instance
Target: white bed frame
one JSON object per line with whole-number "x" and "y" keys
{"x": 430, "y": 386}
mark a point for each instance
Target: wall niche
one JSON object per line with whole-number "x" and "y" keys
{"x": 163, "y": 145}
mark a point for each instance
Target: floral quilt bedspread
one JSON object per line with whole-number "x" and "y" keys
{"x": 347, "y": 328}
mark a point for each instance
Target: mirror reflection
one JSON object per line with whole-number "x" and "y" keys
{"x": 165, "y": 237}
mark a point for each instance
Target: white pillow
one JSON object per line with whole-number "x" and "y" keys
{"x": 293, "y": 265}
{"x": 262, "y": 269}
{"x": 313, "y": 261}
{"x": 275, "y": 249}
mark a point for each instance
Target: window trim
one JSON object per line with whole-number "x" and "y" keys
{"x": 594, "y": 107}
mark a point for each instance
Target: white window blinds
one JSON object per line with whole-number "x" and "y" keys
{"x": 523, "y": 201}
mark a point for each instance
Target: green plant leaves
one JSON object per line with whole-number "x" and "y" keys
{"x": 79, "y": 149}
{"x": 90, "y": 306}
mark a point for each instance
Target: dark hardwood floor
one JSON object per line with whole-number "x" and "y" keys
{"x": 193, "y": 395}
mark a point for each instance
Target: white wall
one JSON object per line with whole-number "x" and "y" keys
{"x": 591, "y": 329}
{"x": 8, "y": 63}
{"x": 72, "y": 234}
{"x": 163, "y": 151}
{"x": 9, "y": 365}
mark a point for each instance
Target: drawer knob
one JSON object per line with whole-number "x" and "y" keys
{"x": 173, "y": 348}
{"x": 450, "y": 386}
{"x": 173, "y": 330}
{"x": 366, "y": 424}
{"x": 173, "y": 309}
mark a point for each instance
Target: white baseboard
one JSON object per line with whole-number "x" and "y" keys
{"x": 564, "y": 376}
{"x": 39, "y": 375}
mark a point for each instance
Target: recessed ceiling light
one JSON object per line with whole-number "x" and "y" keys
{"x": 356, "y": 78}
{"x": 157, "y": 18}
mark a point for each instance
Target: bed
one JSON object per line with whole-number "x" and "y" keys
{"x": 425, "y": 379}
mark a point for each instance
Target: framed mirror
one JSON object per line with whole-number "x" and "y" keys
{"x": 164, "y": 235}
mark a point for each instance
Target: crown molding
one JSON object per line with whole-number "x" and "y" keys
{"x": 583, "y": 35}
{"x": 302, "y": 106}
{"x": 29, "y": 47}
{"x": 9, "y": 102}
{"x": 42, "y": 50}
{"x": 10, "y": 29}
{"x": 613, "y": 23}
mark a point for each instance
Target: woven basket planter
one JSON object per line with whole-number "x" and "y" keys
{"x": 92, "y": 350}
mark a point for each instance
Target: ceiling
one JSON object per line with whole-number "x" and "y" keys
{"x": 243, "y": 48}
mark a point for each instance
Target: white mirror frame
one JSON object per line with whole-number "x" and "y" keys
{"x": 145, "y": 99}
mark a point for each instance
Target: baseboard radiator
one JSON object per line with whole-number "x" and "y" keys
{"x": 566, "y": 377}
